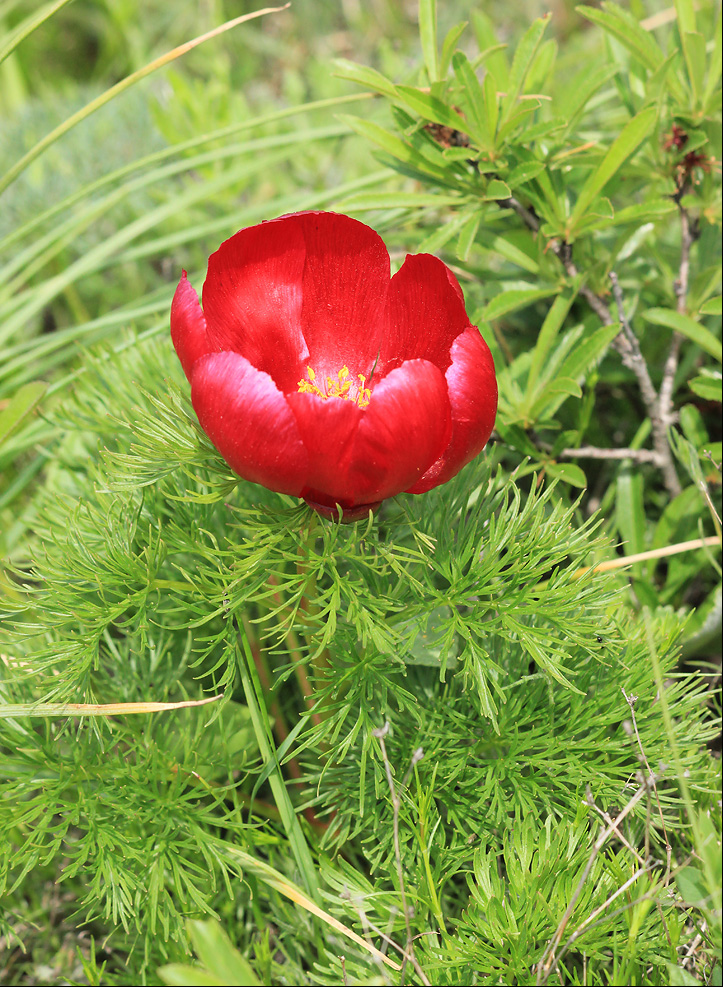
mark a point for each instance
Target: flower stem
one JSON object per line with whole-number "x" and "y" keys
{"x": 308, "y": 608}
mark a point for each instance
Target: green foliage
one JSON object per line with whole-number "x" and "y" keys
{"x": 221, "y": 963}
{"x": 134, "y": 595}
{"x": 429, "y": 723}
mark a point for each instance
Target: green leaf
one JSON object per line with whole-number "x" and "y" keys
{"x": 20, "y": 406}
{"x": 692, "y": 424}
{"x": 687, "y": 454}
{"x": 547, "y": 335}
{"x": 511, "y": 252}
{"x": 497, "y": 190}
{"x": 489, "y": 45}
{"x": 365, "y": 76}
{"x": 588, "y": 351}
{"x": 524, "y": 172}
{"x": 428, "y": 37}
{"x": 703, "y": 631}
{"x": 572, "y": 101}
{"x": 695, "y": 59}
{"x": 216, "y": 952}
{"x": 678, "y": 522}
{"x": 708, "y": 385}
{"x": 630, "y": 510}
{"x": 510, "y": 301}
{"x": 448, "y": 46}
{"x": 568, "y": 472}
{"x": 434, "y": 644}
{"x": 467, "y": 235}
{"x": 715, "y": 66}
{"x": 517, "y": 438}
{"x": 393, "y": 145}
{"x": 632, "y": 135}
{"x": 186, "y": 975}
{"x": 256, "y": 702}
{"x": 491, "y": 108}
{"x": 553, "y": 199}
{"x": 442, "y": 234}
{"x": 27, "y": 26}
{"x": 712, "y": 306}
{"x": 363, "y": 201}
{"x": 105, "y": 97}
{"x": 680, "y": 977}
{"x": 522, "y": 62}
{"x": 691, "y": 885}
{"x": 513, "y": 121}
{"x": 626, "y": 29}
{"x": 685, "y": 14}
{"x": 431, "y": 108}
{"x": 652, "y": 210}
{"x": 474, "y": 101}
{"x": 565, "y": 386}
{"x": 688, "y": 327}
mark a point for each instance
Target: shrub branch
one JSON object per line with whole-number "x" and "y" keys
{"x": 627, "y": 345}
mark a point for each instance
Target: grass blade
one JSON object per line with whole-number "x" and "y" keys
{"x": 119, "y": 87}
{"x": 26, "y": 27}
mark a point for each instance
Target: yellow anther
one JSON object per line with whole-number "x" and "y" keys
{"x": 343, "y": 387}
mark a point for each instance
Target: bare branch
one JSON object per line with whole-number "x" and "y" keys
{"x": 688, "y": 235}
{"x": 626, "y": 343}
{"x": 548, "y": 959}
{"x": 586, "y": 923}
{"x": 396, "y": 805}
{"x": 660, "y": 423}
{"x": 527, "y": 216}
{"x": 631, "y": 700}
{"x": 608, "y": 819}
{"x": 593, "y": 452}
{"x": 625, "y": 323}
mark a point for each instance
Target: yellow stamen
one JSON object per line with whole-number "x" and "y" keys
{"x": 343, "y": 387}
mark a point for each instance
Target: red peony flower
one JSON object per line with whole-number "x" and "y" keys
{"x": 316, "y": 374}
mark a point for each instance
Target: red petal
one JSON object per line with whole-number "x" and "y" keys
{"x": 473, "y": 397}
{"x": 406, "y": 425}
{"x": 252, "y": 298}
{"x": 328, "y": 430}
{"x": 360, "y": 457}
{"x": 188, "y": 326}
{"x": 346, "y": 278}
{"x": 425, "y": 313}
{"x": 249, "y": 421}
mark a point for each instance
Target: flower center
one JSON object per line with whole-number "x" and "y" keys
{"x": 343, "y": 387}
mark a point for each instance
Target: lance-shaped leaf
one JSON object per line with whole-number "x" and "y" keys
{"x": 688, "y": 327}
{"x": 626, "y": 29}
{"x": 523, "y": 61}
{"x": 428, "y": 37}
{"x": 509, "y": 301}
{"x": 631, "y": 136}
{"x": 430, "y": 108}
{"x": 365, "y": 76}
{"x": 20, "y": 406}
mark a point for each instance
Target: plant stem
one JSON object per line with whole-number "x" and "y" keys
{"x": 593, "y": 452}
{"x": 626, "y": 343}
{"x": 688, "y": 236}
